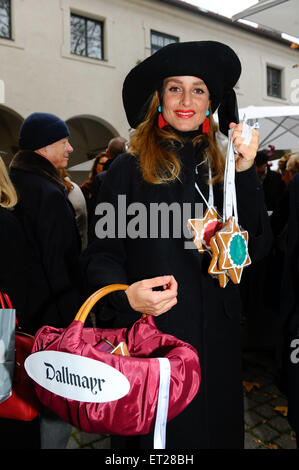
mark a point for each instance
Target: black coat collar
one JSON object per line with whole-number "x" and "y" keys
{"x": 27, "y": 160}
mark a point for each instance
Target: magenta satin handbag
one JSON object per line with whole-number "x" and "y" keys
{"x": 113, "y": 394}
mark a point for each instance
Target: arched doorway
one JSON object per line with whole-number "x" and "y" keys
{"x": 89, "y": 137}
{"x": 10, "y": 123}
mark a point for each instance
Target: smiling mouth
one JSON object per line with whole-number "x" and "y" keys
{"x": 184, "y": 114}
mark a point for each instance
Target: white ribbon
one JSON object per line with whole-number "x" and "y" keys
{"x": 162, "y": 405}
{"x": 209, "y": 203}
{"x": 229, "y": 188}
{"x": 246, "y": 133}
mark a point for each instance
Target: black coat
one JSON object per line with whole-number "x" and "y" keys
{"x": 15, "y": 260}
{"x": 206, "y": 315}
{"x": 288, "y": 370}
{"x": 48, "y": 222}
{"x": 273, "y": 187}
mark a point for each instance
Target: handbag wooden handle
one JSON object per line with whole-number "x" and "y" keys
{"x": 92, "y": 300}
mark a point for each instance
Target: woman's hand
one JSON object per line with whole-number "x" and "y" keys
{"x": 144, "y": 299}
{"x": 245, "y": 157}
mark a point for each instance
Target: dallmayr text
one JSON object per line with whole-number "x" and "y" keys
{"x": 65, "y": 376}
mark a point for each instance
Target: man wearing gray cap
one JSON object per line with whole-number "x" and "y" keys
{"x": 49, "y": 223}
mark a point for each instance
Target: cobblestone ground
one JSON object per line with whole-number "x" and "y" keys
{"x": 266, "y": 426}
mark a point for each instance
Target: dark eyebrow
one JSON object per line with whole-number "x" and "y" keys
{"x": 177, "y": 80}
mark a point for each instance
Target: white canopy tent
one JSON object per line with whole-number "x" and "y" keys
{"x": 279, "y": 125}
{"x": 281, "y": 16}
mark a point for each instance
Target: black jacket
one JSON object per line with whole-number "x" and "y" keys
{"x": 206, "y": 315}
{"x": 48, "y": 221}
{"x": 15, "y": 274}
{"x": 288, "y": 370}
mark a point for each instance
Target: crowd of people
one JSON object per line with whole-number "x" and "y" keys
{"x": 56, "y": 259}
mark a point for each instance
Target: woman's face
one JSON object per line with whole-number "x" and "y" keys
{"x": 185, "y": 102}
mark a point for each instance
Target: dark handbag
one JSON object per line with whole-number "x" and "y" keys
{"x": 23, "y": 404}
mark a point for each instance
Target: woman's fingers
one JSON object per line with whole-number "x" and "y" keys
{"x": 246, "y": 153}
{"x": 144, "y": 299}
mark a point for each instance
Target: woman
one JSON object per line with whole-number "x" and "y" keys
{"x": 14, "y": 249}
{"x": 14, "y": 280}
{"x": 169, "y": 98}
{"x": 97, "y": 167}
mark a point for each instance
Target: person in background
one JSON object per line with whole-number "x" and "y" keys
{"x": 100, "y": 164}
{"x": 48, "y": 220}
{"x": 116, "y": 147}
{"x": 287, "y": 346}
{"x": 271, "y": 180}
{"x": 78, "y": 202}
{"x": 16, "y": 280}
{"x": 289, "y": 166}
{"x": 292, "y": 166}
{"x": 282, "y": 167}
{"x": 96, "y": 168}
{"x": 169, "y": 100}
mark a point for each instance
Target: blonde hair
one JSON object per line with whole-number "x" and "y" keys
{"x": 282, "y": 163}
{"x": 293, "y": 163}
{"x": 8, "y": 194}
{"x": 158, "y": 162}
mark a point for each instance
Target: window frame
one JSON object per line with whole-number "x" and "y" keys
{"x": 9, "y": 38}
{"x": 269, "y": 86}
{"x": 86, "y": 19}
{"x": 162, "y": 35}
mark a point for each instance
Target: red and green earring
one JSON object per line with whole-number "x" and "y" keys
{"x": 206, "y": 123}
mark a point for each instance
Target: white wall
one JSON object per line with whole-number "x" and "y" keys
{"x": 40, "y": 74}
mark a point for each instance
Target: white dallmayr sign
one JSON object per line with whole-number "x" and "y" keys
{"x": 2, "y": 92}
{"x": 76, "y": 377}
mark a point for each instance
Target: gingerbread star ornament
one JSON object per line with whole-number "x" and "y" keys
{"x": 203, "y": 229}
{"x": 232, "y": 243}
{"x": 213, "y": 268}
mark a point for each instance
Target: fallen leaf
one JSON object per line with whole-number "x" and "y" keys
{"x": 272, "y": 446}
{"x": 258, "y": 441}
{"x": 249, "y": 385}
{"x": 282, "y": 409}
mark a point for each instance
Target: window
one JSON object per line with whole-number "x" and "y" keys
{"x": 86, "y": 37}
{"x": 159, "y": 40}
{"x": 274, "y": 82}
{"x": 5, "y": 19}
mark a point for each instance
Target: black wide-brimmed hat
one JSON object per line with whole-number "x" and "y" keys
{"x": 215, "y": 63}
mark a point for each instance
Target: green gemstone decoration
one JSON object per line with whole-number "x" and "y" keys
{"x": 237, "y": 250}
